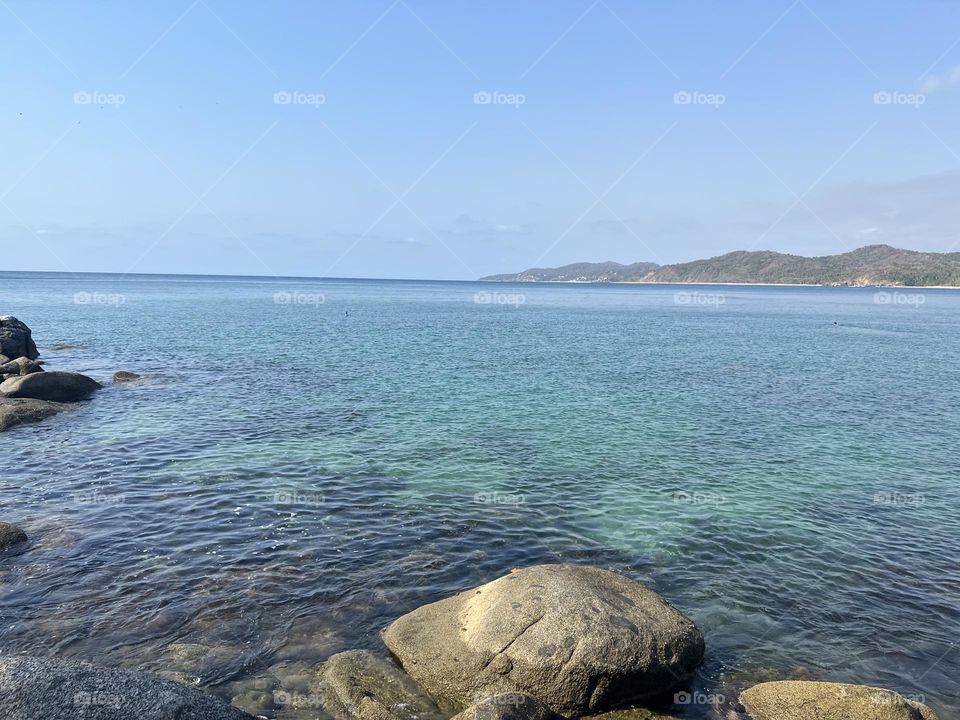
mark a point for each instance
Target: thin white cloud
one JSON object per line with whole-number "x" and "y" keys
{"x": 938, "y": 83}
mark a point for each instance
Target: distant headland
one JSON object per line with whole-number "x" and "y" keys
{"x": 870, "y": 266}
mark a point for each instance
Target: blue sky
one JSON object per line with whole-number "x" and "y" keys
{"x": 446, "y": 139}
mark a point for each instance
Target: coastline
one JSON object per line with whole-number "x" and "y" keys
{"x": 731, "y": 284}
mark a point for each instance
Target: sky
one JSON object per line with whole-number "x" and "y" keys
{"x": 451, "y": 140}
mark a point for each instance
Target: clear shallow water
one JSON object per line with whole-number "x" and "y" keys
{"x": 289, "y": 477}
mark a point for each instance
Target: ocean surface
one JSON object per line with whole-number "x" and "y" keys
{"x": 305, "y": 460}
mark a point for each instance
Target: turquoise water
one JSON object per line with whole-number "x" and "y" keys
{"x": 296, "y": 470}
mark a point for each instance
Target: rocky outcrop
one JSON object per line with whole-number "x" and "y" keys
{"x": 357, "y": 684}
{"x": 125, "y": 376}
{"x": 11, "y": 535}
{"x": 27, "y": 393}
{"x": 508, "y": 706}
{"x": 805, "y": 700}
{"x": 52, "y": 689}
{"x": 22, "y": 411}
{"x": 16, "y": 340}
{"x": 580, "y": 639}
{"x": 56, "y": 386}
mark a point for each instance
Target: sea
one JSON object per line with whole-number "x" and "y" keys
{"x": 304, "y": 460}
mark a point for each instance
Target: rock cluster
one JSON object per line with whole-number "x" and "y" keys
{"x": 543, "y": 643}
{"x": 27, "y": 392}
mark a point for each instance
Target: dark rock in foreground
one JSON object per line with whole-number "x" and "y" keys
{"x": 51, "y": 689}
{"x": 14, "y": 412}
{"x": 57, "y": 386}
{"x": 11, "y": 535}
{"x": 16, "y": 340}
{"x": 804, "y": 700}
{"x": 580, "y": 639}
{"x": 508, "y": 706}
{"x": 358, "y": 684}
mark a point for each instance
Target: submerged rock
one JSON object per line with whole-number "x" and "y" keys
{"x": 125, "y": 376}
{"x": 508, "y": 706}
{"x": 580, "y": 639}
{"x": 805, "y": 700}
{"x": 58, "y": 386}
{"x": 14, "y": 412}
{"x": 358, "y": 684}
{"x": 11, "y": 535}
{"x": 631, "y": 714}
{"x": 16, "y": 340}
{"x": 52, "y": 689}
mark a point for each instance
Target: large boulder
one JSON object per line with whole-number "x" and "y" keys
{"x": 32, "y": 688}
{"x": 508, "y": 706}
{"x": 358, "y": 685}
{"x": 805, "y": 700}
{"x": 57, "y": 385}
{"x": 21, "y": 411}
{"x": 580, "y": 639}
{"x": 11, "y": 535}
{"x": 16, "y": 339}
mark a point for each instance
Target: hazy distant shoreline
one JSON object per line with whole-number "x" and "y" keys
{"x": 869, "y": 266}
